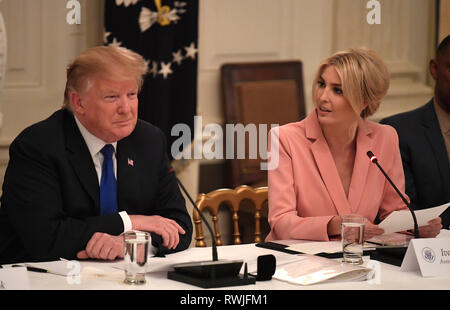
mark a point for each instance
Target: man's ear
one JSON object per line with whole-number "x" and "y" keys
{"x": 433, "y": 69}
{"x": 77, "y": 102}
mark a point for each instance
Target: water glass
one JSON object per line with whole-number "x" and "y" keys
{"x": 352, "y": 230}
{"x": 136, "y": 250}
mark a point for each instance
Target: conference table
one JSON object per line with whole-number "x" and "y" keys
{"x": 100, "y": 275}
{"x": 100, "y": 281}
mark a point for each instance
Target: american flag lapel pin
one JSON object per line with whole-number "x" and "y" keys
{"x": 130, "y": 162}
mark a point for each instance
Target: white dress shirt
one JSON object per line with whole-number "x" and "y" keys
{"x": 94, "y": 145}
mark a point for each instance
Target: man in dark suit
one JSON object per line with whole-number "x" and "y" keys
{"x": 91, "y": 171}
{"x": 424, "y": 137}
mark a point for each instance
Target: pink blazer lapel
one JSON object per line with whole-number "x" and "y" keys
{"x": 361, "y": 166}
{"x": 326, "y": 165}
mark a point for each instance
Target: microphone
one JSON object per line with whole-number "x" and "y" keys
{"x": 213, "y": 240}
{"x": 374, "y": 160}
{"x": 208, "y": 274}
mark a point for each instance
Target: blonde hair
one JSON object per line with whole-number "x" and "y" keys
{"x": 364, "y": 78}
{"x": 104, "y": 62}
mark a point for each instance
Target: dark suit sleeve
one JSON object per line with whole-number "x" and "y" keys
{"x": 410, "y": 186}
{"x": 171, "y": 204}
{"x": 32, "y": 198}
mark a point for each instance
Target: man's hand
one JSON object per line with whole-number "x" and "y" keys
{"x": 103, "y": 246}
{"x": 168, "y": 229}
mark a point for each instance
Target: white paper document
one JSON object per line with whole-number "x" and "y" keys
{"x": 394, "y": 239}
{"x": 59, "y": 267}
{"x": 402, "y": 220}
{"x": 322, "y": 247}
{"x": 314, "y": 269}
{"x": 14, "y": 279}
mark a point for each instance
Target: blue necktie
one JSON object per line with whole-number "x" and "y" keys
{"x": 108, "y": 185}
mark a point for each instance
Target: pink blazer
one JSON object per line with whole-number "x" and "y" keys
{"x": 305, "y": 190}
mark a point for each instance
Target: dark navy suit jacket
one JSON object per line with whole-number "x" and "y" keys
{"x": 424, "y": 156}
{"x": 50, "y": 202}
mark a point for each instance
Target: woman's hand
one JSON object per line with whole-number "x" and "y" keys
{"x": 372, "y": 230}
{"x": 334, "y": 228}
{"x": 432, "y": 229}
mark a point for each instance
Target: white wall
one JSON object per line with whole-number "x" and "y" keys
{"x": 444, "y": 26}
{"x": 258, "y": 30}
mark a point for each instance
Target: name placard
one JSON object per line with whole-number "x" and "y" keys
{"x": 430, "y": 255}
{"x": 14, "y": 279}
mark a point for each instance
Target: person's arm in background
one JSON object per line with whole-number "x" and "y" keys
{"x": 401, "y": 175}
{"x": 405, "y": 154}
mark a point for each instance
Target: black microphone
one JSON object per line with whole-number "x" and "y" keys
{"x": 374, "y": 160}
{"x": 213, "y": 240}
{"x": 208, "y": 274}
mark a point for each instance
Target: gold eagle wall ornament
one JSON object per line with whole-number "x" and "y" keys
{"x": 164, "y": 15}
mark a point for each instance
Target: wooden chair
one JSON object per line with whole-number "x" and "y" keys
{"x": 259, "y": 93}
{"x": 233, "y": 199}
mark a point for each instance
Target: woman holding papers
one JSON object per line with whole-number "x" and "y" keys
{"x": 323, "y": 170}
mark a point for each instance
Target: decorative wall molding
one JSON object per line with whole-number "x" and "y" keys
{"x": 40, "y": 45}
{"x": 3, "y": 55}
{"x": 401, "y": 39}
{"x": 444, "y": 19}
{"x": 24, "y": 68}
{"x": 4, "y": 158}
{"x": 240, "y": 31}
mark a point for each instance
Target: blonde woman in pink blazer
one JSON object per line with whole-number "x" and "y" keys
{"x": 323, "y": 171}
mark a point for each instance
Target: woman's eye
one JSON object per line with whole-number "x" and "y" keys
{"x": 338, "y": 91}
{"x": 321, "y": 84}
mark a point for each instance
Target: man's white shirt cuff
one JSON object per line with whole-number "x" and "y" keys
{"x": 128, "y": 226}
{"x": 126, "y": 221}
